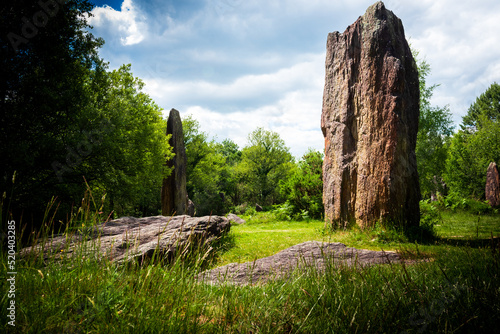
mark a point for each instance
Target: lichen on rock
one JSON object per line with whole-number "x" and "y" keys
{"x": 370, "y": 124}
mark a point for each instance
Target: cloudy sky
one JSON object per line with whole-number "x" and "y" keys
{"x": 236, "y": 65}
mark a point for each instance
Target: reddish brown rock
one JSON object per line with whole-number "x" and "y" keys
{"x": 370, "y": 123}
{"x": 173, "y": 192}
{"x": 492, "y": 190}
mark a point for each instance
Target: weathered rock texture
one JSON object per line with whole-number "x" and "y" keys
{"x": 370, "y": 123}
{"x": 130, "y": 238}
{"x": 492, "y": 190}
{"x": 191, "y": 209}
{"x": 282, "y": 264}
{"x": 174, "y": 197}
{"x": 235, "y": 219}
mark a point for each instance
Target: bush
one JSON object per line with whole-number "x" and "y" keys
{"x": 454, "y": 201}
{"x": 429, "y": 217}
{"x": 284, "y": 211}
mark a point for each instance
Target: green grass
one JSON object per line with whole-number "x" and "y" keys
{"x": 456, "y": 291}
{"x": 463, "y": 224}
{"x": 256, "y": 240}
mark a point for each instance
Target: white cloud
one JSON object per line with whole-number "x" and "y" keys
{"x": 287, "y": 101}
{"x": 303, "y": 75}
{"x": 128, "y": 22}
{"x": 236, "y": 65}
{"x": 296, "y": 117}
{"x": 460, "y": 41}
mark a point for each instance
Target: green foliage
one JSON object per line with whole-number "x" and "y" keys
{"x": 464, "y": 174}
{"x": 49, "y": 78}
{"x": 213, "y": 174}
{"x": 303, "y": 189}
{"x": 486, "y": 107}
{"x": 264, "y": 162}
{"x": 205, "y": 170}
{"x": 458, "y": 290}
{"x": 429, "y": 218}
{"x": 130, "y": 161}
{"x": 434, "y": 129}
{"x": 65, "y": 119}
{"x": 455, "y": 202}
{"x": 284, "y": 212}
{"x": 475, "y": 146}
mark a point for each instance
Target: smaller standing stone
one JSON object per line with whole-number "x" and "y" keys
{"x": 190, "y": 207}
{"x": 173, "y": 192}
{"x": 492, "y": 190}
{"x": 258, "y": 208}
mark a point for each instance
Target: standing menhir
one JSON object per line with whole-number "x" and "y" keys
{"x": 370, "y": 123}
{"x": 173, "y": 192}
{"x": 492, "y": 190}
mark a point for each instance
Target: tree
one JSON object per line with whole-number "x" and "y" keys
{"x": 265, "y": 161}
{"x": 205, "y": 169}
{"x": 435, "y": 128}
{"x": 129, "y": 161}
{"x": 486, "y": 108}
{"x": 66, "y": 123}
{"x": 475, "y": 146}
{"x": 303, "y": 189}
{"x": 50, "y": 70}
{"x": 230, "y": 178}
{"x": 463, "y": 173}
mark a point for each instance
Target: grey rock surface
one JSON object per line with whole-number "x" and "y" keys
{"x": 235, "y": 219}
{"x": 130, "y": 238}
{"x": 282, "y": 264}
{"x": 174, "y": 197}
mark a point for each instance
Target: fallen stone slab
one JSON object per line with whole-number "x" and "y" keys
{"x": 235, "y": 219}
{"x": 285, "y": 262}
{"x": 129, "y": 238}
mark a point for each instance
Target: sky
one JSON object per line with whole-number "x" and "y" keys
{"x": 235, "y": 65}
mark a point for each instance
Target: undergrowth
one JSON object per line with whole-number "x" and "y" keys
{"x": 441, "y": 288}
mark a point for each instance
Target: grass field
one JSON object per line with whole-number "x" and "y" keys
{"x": 456, "y": 291}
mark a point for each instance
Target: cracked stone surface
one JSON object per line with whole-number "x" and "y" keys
{"x": 285, "y": 262}
{"x": 129, "y": 238}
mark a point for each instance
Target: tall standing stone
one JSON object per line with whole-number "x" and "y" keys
{"x": 370, "y": 123}
{"x": 173, "y": 192}
{"x": 492, "y": 190}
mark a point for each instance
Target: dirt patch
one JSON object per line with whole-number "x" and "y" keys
{"x": 283, "y": 263}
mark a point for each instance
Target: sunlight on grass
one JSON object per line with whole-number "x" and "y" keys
{"x": 463, "y": 224}
{"x": 457, "y": 290}
{"x": 256, "y": 241}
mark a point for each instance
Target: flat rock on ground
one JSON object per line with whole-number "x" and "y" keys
{"x": 235, "y": 219}
{"x": 285, "y": 262}
{"x": 130, "y": 238}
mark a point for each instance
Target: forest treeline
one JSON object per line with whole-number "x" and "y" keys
{"x": 69, "y": 125}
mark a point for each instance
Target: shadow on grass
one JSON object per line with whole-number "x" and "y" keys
{"x": 492, "y": 242}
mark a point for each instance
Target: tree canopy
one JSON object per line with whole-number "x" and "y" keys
{"x": 434, "y": 129}
{"x": 65, "y": 118}
{"x": 475, "y": 146}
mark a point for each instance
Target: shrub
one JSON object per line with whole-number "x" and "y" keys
{"x": 454, "y": 201}
{"x": 429, "y": 217}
